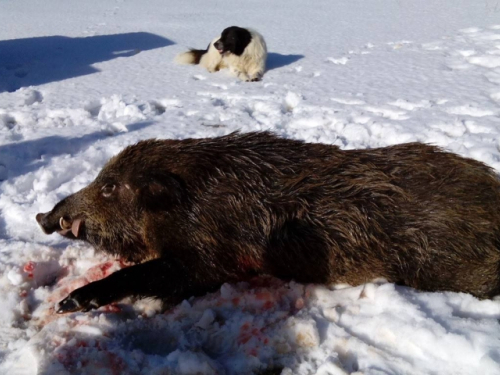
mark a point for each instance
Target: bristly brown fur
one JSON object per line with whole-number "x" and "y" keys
{"x": 214, "y": 210}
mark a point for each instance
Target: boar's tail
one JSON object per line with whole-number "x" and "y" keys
{"x": 193, "y": 56}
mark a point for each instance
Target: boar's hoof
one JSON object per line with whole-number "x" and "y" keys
{"x": 68, "y": 305}
{"x": 79, "y": 300}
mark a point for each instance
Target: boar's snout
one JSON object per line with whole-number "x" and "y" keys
{"x": 50, "y": 223}
{"x": 47, "y": 222}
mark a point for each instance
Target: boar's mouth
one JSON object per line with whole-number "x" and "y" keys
{"x": 67, "y": 227}
{"x": 70, "y": 228}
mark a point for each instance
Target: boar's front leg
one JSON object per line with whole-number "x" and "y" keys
{"x": 162, "y": 278}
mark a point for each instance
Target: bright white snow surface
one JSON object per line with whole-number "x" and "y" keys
{"x": 80, "y": 80}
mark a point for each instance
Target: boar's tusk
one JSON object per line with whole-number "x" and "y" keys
{"x": 75, "y": 228}
{"x": 64, "y": 224}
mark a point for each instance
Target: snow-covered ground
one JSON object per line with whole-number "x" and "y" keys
{"x": 79, "y": 80}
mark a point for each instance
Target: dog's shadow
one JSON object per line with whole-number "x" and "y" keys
{"x": 277, "y": 60}
{"x": 39, "y": 60}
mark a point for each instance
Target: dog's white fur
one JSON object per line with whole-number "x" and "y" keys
{"x": 249, "y": 66}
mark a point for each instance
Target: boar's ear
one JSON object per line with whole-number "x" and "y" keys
{"x": 160, "y": 191}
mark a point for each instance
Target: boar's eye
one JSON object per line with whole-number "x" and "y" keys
{"x": 108, "y": 189}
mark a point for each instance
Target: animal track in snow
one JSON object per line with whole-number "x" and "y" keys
{"x": 7, "y": 121}
{"x": 32, "y": 96}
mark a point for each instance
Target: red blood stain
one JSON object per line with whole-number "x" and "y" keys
{"x": 117, "y": 365}
{"x": 29, "y": 267}
{"x": 99, "y": 271}
{"x": 268, "y": 305}
{"x": 263, "y": 296}
{"x": 243, "y": 339}
{"x": 299, "y": 303}
{"x": 82, "y": 344}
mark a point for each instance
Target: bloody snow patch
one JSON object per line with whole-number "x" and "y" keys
{"x": 70, "y": 282}
{"x": 240, "y": 328}
{"x": 270, "y": 325}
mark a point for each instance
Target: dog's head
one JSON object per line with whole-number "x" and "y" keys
{"x": 234, "y": 40}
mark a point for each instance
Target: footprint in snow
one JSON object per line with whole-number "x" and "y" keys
{"x": 33, "y": 96}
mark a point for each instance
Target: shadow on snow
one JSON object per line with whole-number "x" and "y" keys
{"x": 277, "y": 60}
{"x": 27, "y": 156}
{"x": 40, "y": 60}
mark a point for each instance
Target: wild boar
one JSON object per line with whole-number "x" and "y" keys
{"x": 196, "y": 213}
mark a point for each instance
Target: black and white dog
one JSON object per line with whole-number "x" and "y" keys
{"x": 243, "y": 51}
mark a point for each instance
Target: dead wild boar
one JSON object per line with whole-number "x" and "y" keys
{"x": 196, "y": 213}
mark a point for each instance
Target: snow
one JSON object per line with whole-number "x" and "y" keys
{"x": 81, "y": 80}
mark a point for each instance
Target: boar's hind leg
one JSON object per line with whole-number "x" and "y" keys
{"x": 160, "y": 277}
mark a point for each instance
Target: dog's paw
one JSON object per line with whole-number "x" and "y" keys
{"x": 82, "y": 299}
{"x": 213, "y": 69}
{"x": 242, "y": 76}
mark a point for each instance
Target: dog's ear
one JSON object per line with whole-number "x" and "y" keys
{"x": 160, "y": 191}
